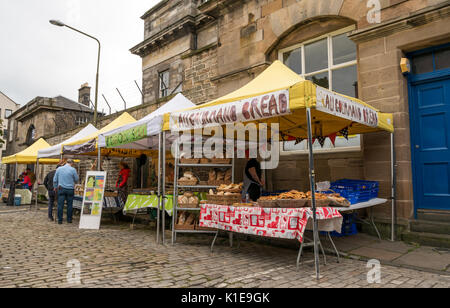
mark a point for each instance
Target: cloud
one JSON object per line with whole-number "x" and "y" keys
{"x": 39, "y": 59}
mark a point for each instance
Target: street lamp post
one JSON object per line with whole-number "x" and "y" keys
{"x": 61, "y": 24}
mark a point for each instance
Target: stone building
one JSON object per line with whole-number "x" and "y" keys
{"x": 44, "y": 116}
{"x": 7, "y": 107}
{"x": 207, "y": 49}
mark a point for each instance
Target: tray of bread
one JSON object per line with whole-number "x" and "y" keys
{"x": 188, "y": 201}
{"x": 231, "y": 188}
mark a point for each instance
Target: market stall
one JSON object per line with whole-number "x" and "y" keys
{"x": 29, "y": 156}
{"x": 300, "y": 111}
{"x": 85, "y": 145}
{"x": 147, "y": 134}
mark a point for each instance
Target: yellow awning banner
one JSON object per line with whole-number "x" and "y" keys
{"x": 29, "y": 155}
{"x": 279, "y": 95}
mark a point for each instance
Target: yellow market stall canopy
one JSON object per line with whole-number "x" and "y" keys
{"x": 281, "y": 96}
{"x": 29, "y": 155}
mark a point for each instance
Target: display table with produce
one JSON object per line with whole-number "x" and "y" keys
{"x": 138, "y": 202}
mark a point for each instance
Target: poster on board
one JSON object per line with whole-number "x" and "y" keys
{"x": 94, "y": 190}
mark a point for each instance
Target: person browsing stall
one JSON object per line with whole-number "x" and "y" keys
{"x": 48, "y": 183}
{"x": 64, "y": 184}
{"x": 122, "y": 181}
{"x": 253, "y": 183}
{"x": 26, "y": 183}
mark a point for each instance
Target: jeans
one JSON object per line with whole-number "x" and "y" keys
{"x": 51, "y": 203}
{"x": 65, "y": 195}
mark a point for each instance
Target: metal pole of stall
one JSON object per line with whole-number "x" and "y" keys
{"x": 394, "y": 184}
{"x": 159, "y": 188}
{"x": 312, "y": 177}
{"x": 37, "y": 183}
{"x": 164, "y": 189}
{"x": 99, "y": 157}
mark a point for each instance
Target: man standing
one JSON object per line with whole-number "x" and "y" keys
{"x": 64, "y": 183}
{"x": 48, "y": 183}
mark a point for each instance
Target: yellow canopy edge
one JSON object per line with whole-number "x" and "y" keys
{"x": 302, "y": 95}
{"x": 29, "y": 155}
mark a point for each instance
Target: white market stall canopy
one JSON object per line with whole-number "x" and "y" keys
{"x": 142, "y": 135}
{"x": 55, "y": 151}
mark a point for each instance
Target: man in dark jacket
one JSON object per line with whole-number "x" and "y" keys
{"x": 48, "y": 183}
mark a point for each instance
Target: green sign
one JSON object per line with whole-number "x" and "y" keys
{"x": 127, "y": 136}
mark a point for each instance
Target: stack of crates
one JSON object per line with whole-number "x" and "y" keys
{"x": 356, "y": 191}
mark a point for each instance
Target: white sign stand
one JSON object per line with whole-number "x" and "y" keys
{"x": 94, "y": 191}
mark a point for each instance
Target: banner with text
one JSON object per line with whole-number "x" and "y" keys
{"x": 344, "y": 107}
{"x": 251, "y": 109}
{"x": 128, "y": 136}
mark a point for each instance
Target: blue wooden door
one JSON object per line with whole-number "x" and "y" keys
{"x": 430, "y": 128}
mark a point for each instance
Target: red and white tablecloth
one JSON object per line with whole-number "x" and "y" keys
{"x": 268, "y": 222}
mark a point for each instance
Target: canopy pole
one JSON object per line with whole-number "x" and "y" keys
{"x": 312, "y": 177}
{"x": 394, "y": 193}
{"x": 159, "y": 188}
{"x": 37, "y": 182}
{"x": 99, "y": 157}
{"x": 164, "y": 188}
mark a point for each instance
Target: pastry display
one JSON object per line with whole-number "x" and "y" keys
{"x": 188, "y": 200}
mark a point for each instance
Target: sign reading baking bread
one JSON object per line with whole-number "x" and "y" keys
{"x": 344, "y": 107}
{"x": 251, "y": 109}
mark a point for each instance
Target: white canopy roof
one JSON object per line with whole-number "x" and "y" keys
{"x": 154, "y": 123}
{"x": 55, "y": 151}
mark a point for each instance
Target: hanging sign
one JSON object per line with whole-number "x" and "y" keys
{"x": 128, "y": 136}
{"x": 344, "y": 107}
{"x": 251, "y": 109}
{"x": 94, "y": 191}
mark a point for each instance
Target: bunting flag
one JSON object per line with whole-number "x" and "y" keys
{"x": 321, "y": 140}
{"x": 344, "y": 133}
{"x": 298, "y": 140}
{"x": 333, "y": 139}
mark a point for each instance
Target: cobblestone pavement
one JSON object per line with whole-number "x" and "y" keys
{"x": 35, "y": 252}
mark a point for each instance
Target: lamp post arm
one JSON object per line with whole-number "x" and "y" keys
{"x": 98, "y": 70}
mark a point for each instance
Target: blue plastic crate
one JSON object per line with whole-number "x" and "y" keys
{"x": 356, "y": 191}
{"x": 348, "y": 226}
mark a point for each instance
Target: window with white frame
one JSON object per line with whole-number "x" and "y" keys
{"x": 330, "y": 62}
{"x": 163, "y": 84}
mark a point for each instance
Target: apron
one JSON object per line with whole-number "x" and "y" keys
{"x": 247, "y": 183}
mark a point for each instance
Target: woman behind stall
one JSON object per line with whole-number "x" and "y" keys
{"x": 27, "y": 184}
{"x": 122, "y": 181}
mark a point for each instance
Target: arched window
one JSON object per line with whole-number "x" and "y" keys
{"x": 329, "y": 61}
{"x": 31, "y": 135}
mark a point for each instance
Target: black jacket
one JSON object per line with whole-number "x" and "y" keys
{"x": 48, "y": 181}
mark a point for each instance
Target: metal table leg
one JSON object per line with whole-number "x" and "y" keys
{"x": 373, "y": 223}
{"x": 214, "y": 241}
{"x": 334, "y": 247}
{"x": 299, "y": 256}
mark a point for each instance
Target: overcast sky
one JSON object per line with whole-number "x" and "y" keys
{"x": 39, "y": 59}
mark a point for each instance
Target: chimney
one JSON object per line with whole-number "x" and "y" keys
{"x": 84, "y": 94}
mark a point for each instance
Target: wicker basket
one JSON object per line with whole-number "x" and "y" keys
{"x": 319, "y": 203}
{"x": 188, "y": 182}
{"x": 268, "y": 204}
{"x": 185, "y": 227}
{"x": 187, "y": 205}
{"x": 292, "y": 203}
{"x": 189, "y": 161}
{"x": 221, "y": 161}
{"x": 204, "y": 161}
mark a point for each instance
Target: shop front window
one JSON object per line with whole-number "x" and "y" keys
{"x": 330, "y": 62}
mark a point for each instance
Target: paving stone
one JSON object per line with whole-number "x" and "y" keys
{"x": 35, "y": 254}
{"x": 434, "y": 260}
{"x": 376, "y": 253}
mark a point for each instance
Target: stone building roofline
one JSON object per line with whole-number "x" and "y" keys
{"x": 164, "y": 35}
{"x": 1, "y": 93}
{"x": 58, "y": 103}
{"x": 154, "y": 8}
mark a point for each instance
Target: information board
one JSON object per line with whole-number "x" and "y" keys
{"x": 94, "y": 191}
